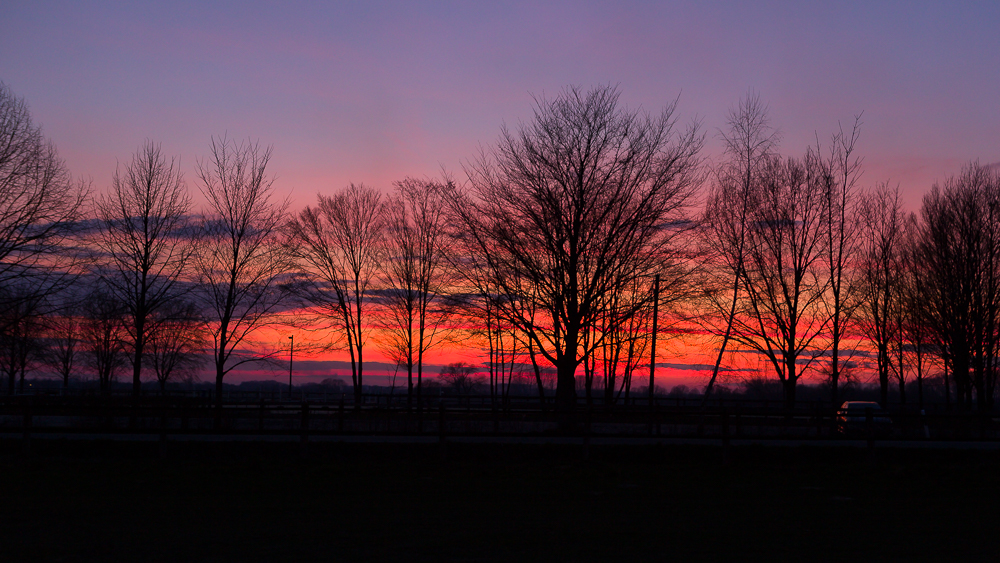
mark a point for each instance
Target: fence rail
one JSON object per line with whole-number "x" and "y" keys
{"x": 454, "y": 416}
{"x": 434, "y": 396}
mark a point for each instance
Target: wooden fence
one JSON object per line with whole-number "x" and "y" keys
{"x": 465, "y": 416}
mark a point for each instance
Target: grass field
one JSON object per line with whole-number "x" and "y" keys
{"x": 261, "y": 502}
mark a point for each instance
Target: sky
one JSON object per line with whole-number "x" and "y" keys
{"x": 372, "y": 92}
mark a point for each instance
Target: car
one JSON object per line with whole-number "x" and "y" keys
{"x": 852, "y": 419}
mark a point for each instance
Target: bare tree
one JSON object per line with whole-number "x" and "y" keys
{"x": 881, "y": 269}
{"x": 625, "y": 341}
{"x": 240, "y": 260}
{"x": 141, "y": 220}
{"x": 460, "y": 376}
{"x": 39, "y": 201}
{"x": 340, "y": 243}
{"x": 960, "y": 246}
{"x": 842, "y": 243}
{"x": 21, "y": 328}
{"x": 64, "y": 330}
{"x": 475, "y": 300}
{"x": 415, "y": 297}
{"x": 571, "y": 208}
{"x": 104, "y": 332}
{"x": 780, "y": 315}
{"x": 176, "y": 342}
{"x": 749, "y": 144}
{"x": 916, "y": 325}
{"x": 39, "y": 208}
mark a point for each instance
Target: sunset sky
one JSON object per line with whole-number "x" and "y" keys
{"x": 372, "y": 92}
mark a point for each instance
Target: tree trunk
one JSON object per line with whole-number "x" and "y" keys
{"x": 790, "y": 381}
{"x": 566, "y": 377}
{"x": 788, "y": 386}
{"x": 538, "y": 373}
{"x": 835, "y": 367}
{"x": 218, "y": 398}
{"x": 137, "y": 358}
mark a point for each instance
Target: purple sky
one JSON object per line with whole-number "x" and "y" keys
{"x": 371, "y": 92}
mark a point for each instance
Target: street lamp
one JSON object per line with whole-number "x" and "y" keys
{"x": 291, "y": 352}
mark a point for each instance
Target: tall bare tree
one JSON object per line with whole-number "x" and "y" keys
{"x": 960, "y": 246}
{"x": 416, "y": 293}
{"x": 39, "y": 201}
{"x": 749, "y": 144}
{"x": 881, "y": 271}
{"x": 340, "y": 244}
{"x": 240, "y": 260}
{"x": 570, "y": 208}
{"x": 916, "y": 324}
{"x": 39, "y": 208}
{"x": 141, "y": 220}
{"x": 784, "y": 285}
{"x": 842, "y": 243}
{"x": 474, "y": 298}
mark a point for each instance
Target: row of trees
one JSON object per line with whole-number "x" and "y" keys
{"x": 573, "y": 244}
{"x": 805, "y": 261}
{"x": 145, "y": 278}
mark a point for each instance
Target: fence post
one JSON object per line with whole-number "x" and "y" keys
{"x": 304, "y": 438}
{"x": 26, "y": 427}
{"x": 260, "y": 417}
{"x": 340, "y": 415}
{"x": 496, "y": 419}
{"x": 870, "y": 430}
{"x": 163, "y": 431}
{"x": 649, "y": 415}
{"x": 441, "y": 431}
{"x": 725, "y": 436}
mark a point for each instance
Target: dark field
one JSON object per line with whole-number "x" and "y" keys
{"x": 239, "y": 502}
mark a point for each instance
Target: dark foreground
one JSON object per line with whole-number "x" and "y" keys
{"x": 102, "y": 501}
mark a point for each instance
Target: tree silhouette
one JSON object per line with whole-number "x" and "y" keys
{"x": 571, "y": 208}
{"x": 240, "y": 259}
{"x": 176, "y": 341}
{"x": 415, "y": 298}
{"x": 960, "y": 247}
{"x": 882, "y": 270}
{"x": 842, "y": 230}
{"x": 40, "y": 206}
{"x": 140, "y": 220}
{"x": 103, "y": 334}
{"x": 749, "y": 143}
{"x": 340, "y": 243}
{"x": 781, "y": 305}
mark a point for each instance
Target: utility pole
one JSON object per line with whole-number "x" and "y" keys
{"x": 652, "y": 353}
{"x": 291, "y": 352}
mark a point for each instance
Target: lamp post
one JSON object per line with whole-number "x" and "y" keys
{"x": 291, "y": 352}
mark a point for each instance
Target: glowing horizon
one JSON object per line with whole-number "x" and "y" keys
{"x": 376, "y": 93}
